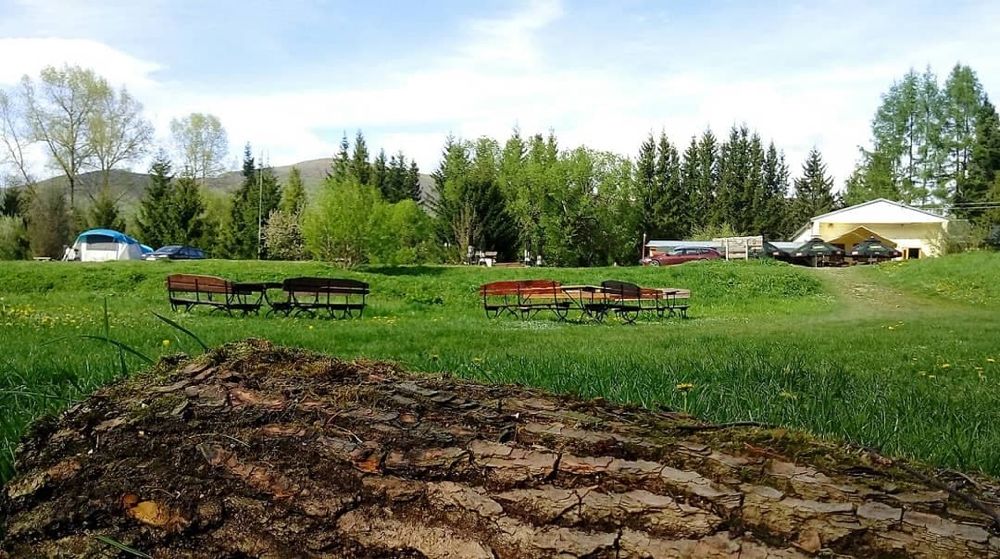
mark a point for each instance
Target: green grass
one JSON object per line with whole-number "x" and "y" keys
{"x": 865, "y": 355}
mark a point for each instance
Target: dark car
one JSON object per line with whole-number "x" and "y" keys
{"x": 175, "y": 252}
{"x": 681, "y": 255}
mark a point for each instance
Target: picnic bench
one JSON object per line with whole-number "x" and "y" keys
{"x": 524, "y": 298}
{"x": 190, "y": 290}
{"x": 343, "y": 297}
{"x": 630, "y": 300}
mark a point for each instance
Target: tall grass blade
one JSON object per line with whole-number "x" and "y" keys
{"x": 120, "y": 346}
{"x": 122, "y": 547}
{"x": 182, "y": 329}
{"x": 107, "y": 334}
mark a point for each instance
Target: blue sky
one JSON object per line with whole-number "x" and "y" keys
{"x": 291, "y": 76}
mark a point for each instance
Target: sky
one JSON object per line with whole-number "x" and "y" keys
{"x": 292, "y": 77}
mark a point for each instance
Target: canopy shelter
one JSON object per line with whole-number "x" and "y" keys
{"x": 874, "y": 249}
{"x": 102, "y": 245}
{"x": 818, "y": 252}
{"x": 859, "y": 235}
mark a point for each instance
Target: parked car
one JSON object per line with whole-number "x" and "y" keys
{"x": 681, "y": 255}
{"x": 175, "y": 252}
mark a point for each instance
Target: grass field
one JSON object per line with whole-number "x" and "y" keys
{"x": 902, "y": 357}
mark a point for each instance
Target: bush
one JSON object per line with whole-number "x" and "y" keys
{"x": 13, "y": 239}
{"x": 352, "y": 224}
{"x": 283, "y": 237}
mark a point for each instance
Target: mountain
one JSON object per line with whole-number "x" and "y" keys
{"x": 129, "y": 186}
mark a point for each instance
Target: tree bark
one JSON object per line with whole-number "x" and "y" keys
{"x": 258, "y": 451}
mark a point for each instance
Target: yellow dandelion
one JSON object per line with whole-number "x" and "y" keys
{"x": 310, "y": 326}
{"x": 685, "y": 387}
{"x": 165, "y": 343}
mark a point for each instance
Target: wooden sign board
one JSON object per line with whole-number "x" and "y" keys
{"x": 740, "y": 247}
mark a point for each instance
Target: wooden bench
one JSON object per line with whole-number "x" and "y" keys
{"x": 189, "y": 290}
{"x": 335, "y": 296}
{"x": 524, "y": 298}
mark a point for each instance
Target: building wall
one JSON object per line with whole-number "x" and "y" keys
{"x": 906, "y": 235}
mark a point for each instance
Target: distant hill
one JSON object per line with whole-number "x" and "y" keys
{"x": 129, "y": 186}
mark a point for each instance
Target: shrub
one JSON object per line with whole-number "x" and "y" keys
{"x": 13, "y": 239}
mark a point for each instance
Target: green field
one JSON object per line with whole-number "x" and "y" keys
{"x": 901, "y": 357}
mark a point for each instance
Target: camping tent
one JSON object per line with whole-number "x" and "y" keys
{"x": 101, "y": 245}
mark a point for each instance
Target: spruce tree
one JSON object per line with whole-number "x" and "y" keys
{"x": 293, "y": 198}
{"x": 813, "y": 191}
{"x": 984, "y": 165}
{"x": 672, "y": 205}
{"x": 340, "y": 168}
{"x": 188, "y": 212}
{"x": 771, "y": 218}
{"x": 690, "y": 177}
{"x": 708, "y": 177}
{"x": 251, "y": 207}
{"x": 396, "y": 188}
{"x": 413, "y": 182}
{"x": 360, "y": 168}
{"x": 154, "y": 223}
{"x": 104, "y": 213}
{"x": 380, "y": 174}
{"x": 646, "y": 185}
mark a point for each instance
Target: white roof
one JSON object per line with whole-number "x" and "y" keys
{"x": 677, "y": 244}
{"x": 880, "y": 211}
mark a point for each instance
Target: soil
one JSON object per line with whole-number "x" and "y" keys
{"x": 253, "y": 450}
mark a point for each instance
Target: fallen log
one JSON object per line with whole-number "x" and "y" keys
{"x": 258, "y": 451}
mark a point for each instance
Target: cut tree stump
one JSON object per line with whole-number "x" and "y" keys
{"x": 257, "y": 451}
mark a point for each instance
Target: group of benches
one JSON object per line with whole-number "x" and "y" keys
{"x": 339, "y": 298}
{"x": 526, "y": 298}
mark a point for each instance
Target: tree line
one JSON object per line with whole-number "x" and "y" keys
{"x": 524, "y": 197}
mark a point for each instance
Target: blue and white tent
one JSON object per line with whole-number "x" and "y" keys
{"x": 102, "y": 245}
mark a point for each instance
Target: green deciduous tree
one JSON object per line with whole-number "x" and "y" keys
{"x": 59, "y": 111}
{"x": 201, "y": 143}
{"x": 283, "y": 236}
{"x": 118, "y": 133}
{"x": 48, "y": 221}
{"x": 14, "y": 243}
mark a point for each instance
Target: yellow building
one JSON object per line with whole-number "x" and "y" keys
{"x": 912, "y": 231}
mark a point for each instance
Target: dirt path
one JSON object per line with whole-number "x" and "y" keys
{"x": 860, "y": 295}
{"x": 257, "y": 451}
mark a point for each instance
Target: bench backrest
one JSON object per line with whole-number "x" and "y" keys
{"x": 198, "y": 284}
{"x": 518, "y": 287}
{"x": 621, "y": 289}
{"x": 325, "y": 286}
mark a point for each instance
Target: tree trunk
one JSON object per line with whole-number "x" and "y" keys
{"x": 259, "y": 451}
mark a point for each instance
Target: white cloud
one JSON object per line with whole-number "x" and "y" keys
{"x": 498, "y": 73}
{"x": 26, "y": 56}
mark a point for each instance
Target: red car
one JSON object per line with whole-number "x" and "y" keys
{"x": 681, "y": 255}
